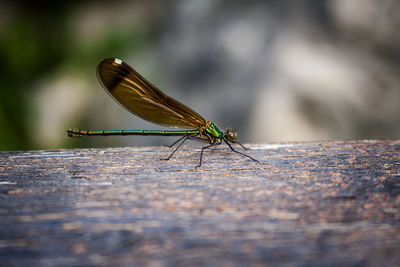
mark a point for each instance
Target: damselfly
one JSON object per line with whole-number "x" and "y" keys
{"x": 146, "y": 101}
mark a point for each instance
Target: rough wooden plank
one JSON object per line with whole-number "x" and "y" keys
{"x": 325, "y": 203}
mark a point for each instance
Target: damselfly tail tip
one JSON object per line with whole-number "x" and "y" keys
{"x": 73, "y": 133}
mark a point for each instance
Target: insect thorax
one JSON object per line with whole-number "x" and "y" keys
{"x": 211, "y": 131}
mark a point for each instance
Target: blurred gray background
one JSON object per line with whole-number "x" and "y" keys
{"x": 273, "y": 70}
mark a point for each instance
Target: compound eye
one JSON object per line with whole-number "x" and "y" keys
{"x": 231, "y": 135}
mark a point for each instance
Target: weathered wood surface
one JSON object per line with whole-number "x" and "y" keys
{"x": 321, "y": 203}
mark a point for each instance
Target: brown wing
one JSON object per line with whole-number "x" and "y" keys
{"x": 143, "y": 99}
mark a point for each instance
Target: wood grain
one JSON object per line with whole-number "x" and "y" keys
{"x": 319, "y": 203}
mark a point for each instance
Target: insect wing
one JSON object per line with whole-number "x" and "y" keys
{"x": 143, "y": 99}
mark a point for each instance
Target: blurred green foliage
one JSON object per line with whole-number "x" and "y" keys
{"x": 36, "y": 41}
{"x": 274, "y": 70}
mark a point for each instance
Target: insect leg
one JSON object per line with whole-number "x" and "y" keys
{"x": 198, "y": 138}
{"x": 188, "y": 137}
{"x": 201, "y": 153}
{"x": 240, "y": 152}
{"x": 176, "y": 141}
{"x": 184, "y": 139}
{"x": 245, "y": 148}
